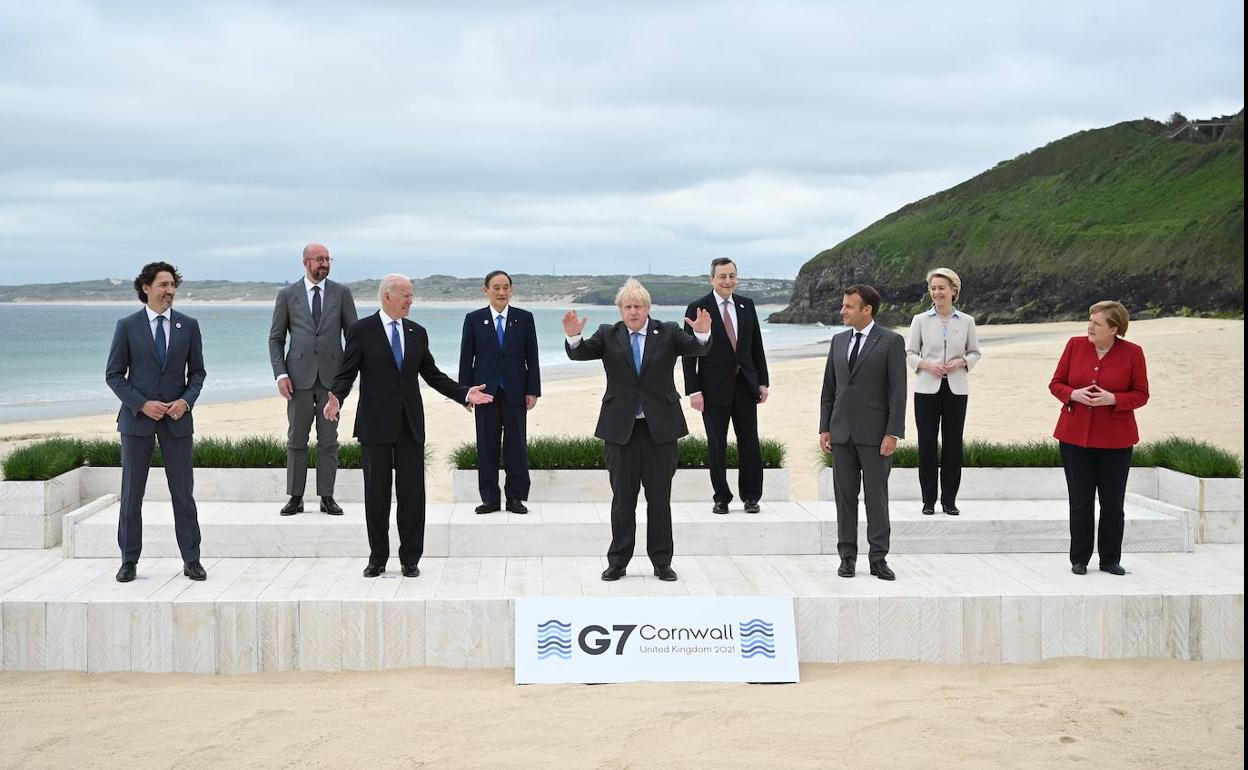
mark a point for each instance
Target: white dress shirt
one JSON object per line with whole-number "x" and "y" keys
{"x": 862, "y": 343}
{"x": 385, "y": 325}
{"x": 151, "y": 321}
{"x": 307, "y": 289}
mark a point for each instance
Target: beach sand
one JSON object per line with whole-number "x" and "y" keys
{"x": 1136, "y": 713}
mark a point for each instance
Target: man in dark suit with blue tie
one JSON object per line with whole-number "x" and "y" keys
{"x": 156, "y": 368}
{"x": 389, "y": 352}
{"x": 499, "y": 348}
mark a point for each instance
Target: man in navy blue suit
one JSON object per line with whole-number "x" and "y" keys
{"x": 156, "y": 367}
{"x": 499, "y": 348}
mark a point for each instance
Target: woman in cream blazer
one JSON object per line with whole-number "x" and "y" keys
{"x": 941, "y": 348}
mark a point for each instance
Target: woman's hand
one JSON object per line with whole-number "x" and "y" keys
{"x": 1084, "y": 395}
{"x": 940, "y": 370}
{"x": 953, "y": 364}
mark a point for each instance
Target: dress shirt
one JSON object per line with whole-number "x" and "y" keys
{"x": 151, "y": 321}
{"x": 862, "y": 343}
{"x": 307, "y": 289}
{"x": 732, "y": 309}
{"x": 385, "y": 326}
{"x": 494, "y": 314}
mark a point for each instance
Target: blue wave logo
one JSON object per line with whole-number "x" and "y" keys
{"x": 757, "y": 638}
{"x": 554, "y": 640}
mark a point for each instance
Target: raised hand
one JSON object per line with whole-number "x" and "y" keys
{"x": 331, "y": 408}
{"x": 702, "y": 323}
{"x": 572, "y": 325}
{"x": 477, "y": 395}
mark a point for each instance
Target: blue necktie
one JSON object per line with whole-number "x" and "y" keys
{"x": 161, "y": 345}
{"x": 498, "y": 326}
{"x": 396, "y": 346}
{"x": 637, "y": 361}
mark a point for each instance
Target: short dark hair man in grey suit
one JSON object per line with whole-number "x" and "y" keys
{"x": 862, "y": 414}
{"x": 316, "y": 313}
{"x": 156, "y": 367}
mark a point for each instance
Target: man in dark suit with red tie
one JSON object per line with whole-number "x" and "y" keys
{"x": 728, "y": 384}
{"x": 498, "y": 348}
{"x": 389, "y": 352}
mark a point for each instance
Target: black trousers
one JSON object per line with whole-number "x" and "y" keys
{"x": 642, "y": 461}
{"x": 1092, "y": 474}
{"x": 942, "y": 412}
{"x": 136, "y": 461}
{"x": 505, "y": 421}
{"x": 402, "y": 463}
{"x": 743, "y": 413}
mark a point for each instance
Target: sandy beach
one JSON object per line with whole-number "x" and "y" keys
{"x": 1133, "y": 713}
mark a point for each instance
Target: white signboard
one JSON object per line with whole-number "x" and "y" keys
{"x": 655, "y": 639}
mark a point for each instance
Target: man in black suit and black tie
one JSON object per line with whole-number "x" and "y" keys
{"x": 389, "y": 352}
{"x": 728, "y": 384}
{"x": 315, "y": 313}
{"x": 498, "y": 347}
{"x": 156, "y": 367}
{"x": 862, "y": 414}
{"x": 640, "y": 419}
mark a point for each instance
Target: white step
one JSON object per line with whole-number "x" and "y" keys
{"x": 255, "y": 530}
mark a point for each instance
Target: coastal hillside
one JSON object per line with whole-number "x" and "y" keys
{"x": 1147, "y": 213}
{"x": 577, "y": 289}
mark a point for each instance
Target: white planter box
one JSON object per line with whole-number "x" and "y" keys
{"x": 31, "y": 511}
{"x": 689, "y": 485}
{"x": 230, "y": 485}
{"x": 1218, "y": 503}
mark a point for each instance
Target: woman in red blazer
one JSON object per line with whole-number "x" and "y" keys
{"x": 1101, "y": 380}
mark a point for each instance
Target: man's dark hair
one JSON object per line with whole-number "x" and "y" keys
{"x": 868, "y": 294}
{"x": 148, "y": 274}
{"x": 720, "y": 261}
{"x": 494, "y": 274}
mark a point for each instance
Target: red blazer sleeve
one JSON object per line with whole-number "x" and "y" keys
{"x": 1137, "y": 396}
{"x": 1060, "y": 385}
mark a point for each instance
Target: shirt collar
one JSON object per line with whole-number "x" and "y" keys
{"x": 866, "y": 332}
{"x": 307, "y": 284}
{"x": 494, "y": 314}
{"x": 719, "y": 300}
{"x": 933, "y": 312}
{"x": 386, "y": 320}
{"x": 151, "y": 316}
{"x": 642, "y": 330}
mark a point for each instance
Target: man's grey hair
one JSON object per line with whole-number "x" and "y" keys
{"x": 632, "y": 290}
{"x": 388, "y": 282}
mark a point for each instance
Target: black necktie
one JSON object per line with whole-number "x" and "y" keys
{"x": 316, "y": 306}
{"x": 160, "y": 342}
{"x": 853, "y": 353}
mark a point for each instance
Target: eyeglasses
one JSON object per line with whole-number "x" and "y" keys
{"x": 321, "y": 260}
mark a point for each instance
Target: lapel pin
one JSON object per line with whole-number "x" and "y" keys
{"x": 486, "y": 322}
{"x": 656, "y": 331}
{"x": 177, "y": 326}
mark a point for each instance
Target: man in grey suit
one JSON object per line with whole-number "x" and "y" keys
{"x": 156, "y": 368}
{"x": 316, "y": 313}
{"x": 862, "y": 414}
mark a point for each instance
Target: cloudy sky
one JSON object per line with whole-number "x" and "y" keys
{"x": 539, "y": 137}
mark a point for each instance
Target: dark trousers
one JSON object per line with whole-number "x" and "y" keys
{"x": 304, "y": 408}
{"x": 642, "y": 461}
{"x": 943, "y": 412}
{"x": 508, "y": 421}
{"x": 403, "y": 464}
{"x": 855, "y": 466}
{"x": 743, "y": 413}
{"x": 1092, "y": 474}
{"x": 136, "y": 461}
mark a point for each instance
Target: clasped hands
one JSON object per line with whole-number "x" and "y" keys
{"x": 940, "y": 370}
{"x": 476, "y": 395}
{"x": 158, "y": 410}
{"x": 1093, "y": 396}
{"x": 887, "y": 446}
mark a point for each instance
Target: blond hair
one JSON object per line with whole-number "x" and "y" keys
{"x": 948, "y": 275}
{"x": 1115, "y": 313}
{"x": 632, "y": 290}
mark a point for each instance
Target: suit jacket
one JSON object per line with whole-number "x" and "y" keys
{"x": 927, "y": 341}
{"x": 866, "y": 404}
{"x": 483, "y": 362}
{"x": 654, "y": 387}
{"x": 714, "y": 375}
{"x": 1122, "y": 372}
{"x": 314, "y": 353}
{"x": 386, "y": 392}
{"x": 136, "y": 376}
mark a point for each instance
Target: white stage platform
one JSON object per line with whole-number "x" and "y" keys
{"x": 272, "y": 614}
{"x": 248, "y": 530}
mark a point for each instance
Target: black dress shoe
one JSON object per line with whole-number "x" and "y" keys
{"x": 1113, "y": 569}
{"x": 329, "y": 506}
{"x": 719, "y": 507}
{"x": 127, "y": 571}
{"x": 373, "y": 570}
{"x": 880, "y": 569}
{"x": 194, "y": 570}
{"x": 751, "y": 506}
{"x": 950, "y": 510}
{"x": 294, "y": 506}
{"x": 487, "y": 508}
{"x": 612, "y": 573}
{"x": 847, "y": 568}
{"x": 929, "y": 510}
{"x": 517, "y": 506}
{"x": 665, "y": 573}
{"x": 411, "y": 570}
